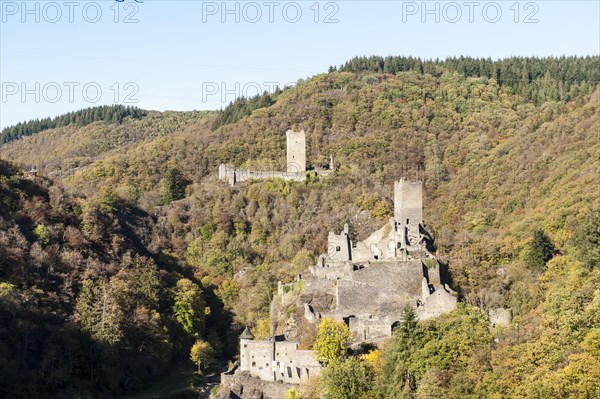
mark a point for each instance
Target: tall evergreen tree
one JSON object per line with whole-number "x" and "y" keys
{"x": 173, "y": 186}
{"x": 539, "y": 251}
{"x": 397, "y": 379}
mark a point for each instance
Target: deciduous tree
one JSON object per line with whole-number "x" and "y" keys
{"x": 332, "y": 340}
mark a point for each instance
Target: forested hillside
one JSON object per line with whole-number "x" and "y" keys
{"x": 72, "y": 143}
{"x": 512, "y": 195}
{"x": 114, "y": 114}
{"x": 538, "y": 79}
{"x": 85, "y": 306}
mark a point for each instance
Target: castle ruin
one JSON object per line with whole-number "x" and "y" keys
{"x": 276, "y": 359}
{"x": 296, "y": 151}
{"x": 268, "y": 368}
{"x": 295, "y": 164}
{"x": 372, "y": 281}
{"x": 367, "y": 284}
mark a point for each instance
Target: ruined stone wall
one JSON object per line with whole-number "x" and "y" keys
{"x": 382, "y": 244}
{"x": 244, "y": 386}
{"x": 433, "y": 273}
{"x": 393, "y": 275}
{"x": 333, "y": 271}
{"x": 374, "y": 247}
{"x": 227, "y": 174}
{"x": 314, "y": 286}
{"x": 362, "y": 329}
{"x": 441, "y": 301}
{"x": 235, "y": 176}
{"x": 259, "y": 361}
{"x": 339, "y": 247}
{"x": 375, "y": 288}
{"x": 355, "y": 299}
{"x": 293, "y": 365}
{"x": 263, "y": 175}
{"x": 320, "y": 295}
{"x": 500, "y": 317}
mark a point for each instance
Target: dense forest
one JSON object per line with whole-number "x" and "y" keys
{"x": 137, "y": 253}
{"x": 104, "y": 113}
{"x": 538, "y": 79}
{"x": 242, "y": 107}
{"x": 85, "y": 307}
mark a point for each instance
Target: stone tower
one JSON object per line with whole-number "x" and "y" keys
{"x": 296, "y": 151}
{"x": 244, "y": 350}
{"x": 408, "y": 204}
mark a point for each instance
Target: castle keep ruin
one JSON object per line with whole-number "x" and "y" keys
{"x": 296, "y": 151}
{"x": 295, "y": 164}
{"x": 367, "y": 284}
{"x": 372, "y": 281}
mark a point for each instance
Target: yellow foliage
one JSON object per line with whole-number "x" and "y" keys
{"x": 292, "y": 394}
{"x": 375, "y": 359}
{"x": 262, "y": 330}
{"x": 591, "y": 343}
{"x": 202, "y": 354}
{"x": 332, "y": 340}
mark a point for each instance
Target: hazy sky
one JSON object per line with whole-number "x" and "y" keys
{"x": 59, "y": 56}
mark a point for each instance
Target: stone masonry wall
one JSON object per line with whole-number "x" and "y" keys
{"x": 244, "y": 386}
{"x": 296, "y": 151}
{"x": 408, "y": 204}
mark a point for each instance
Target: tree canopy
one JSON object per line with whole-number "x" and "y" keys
{"x": 104, "y": 113}
{"x": 331, "y": 341}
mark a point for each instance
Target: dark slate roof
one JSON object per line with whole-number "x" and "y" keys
{"x": 246, "y": 334}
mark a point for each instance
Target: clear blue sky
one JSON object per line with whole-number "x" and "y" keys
{"x": 180, "y": 55}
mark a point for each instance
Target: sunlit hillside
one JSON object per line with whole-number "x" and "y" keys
{"x": 502, "y": 164}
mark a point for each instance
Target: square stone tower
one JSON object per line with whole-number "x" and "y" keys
{"x": 408, "y": 204}
{"x": 296, "y": 151}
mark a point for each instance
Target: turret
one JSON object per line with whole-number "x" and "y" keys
{"x": 245, "y": 339}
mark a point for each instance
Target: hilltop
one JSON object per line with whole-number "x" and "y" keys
{"x": 500, "y": 158}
